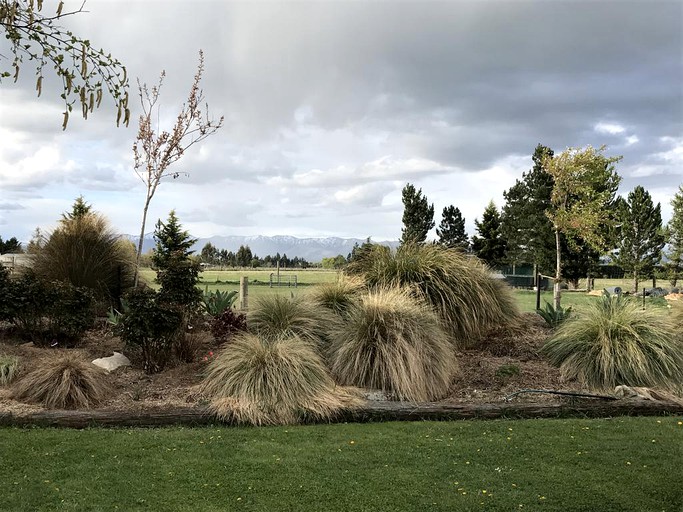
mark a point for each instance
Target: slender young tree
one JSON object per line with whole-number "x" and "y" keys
{"x": 418, "y": 216}
{"x": 155, "y": 150}
{"x": 640, "y": 235}
{"x": 674, "y": 234}
{"x": 489, "y": 246}
{"x": 584, "y": 186}
{"x": 451, "y": 230}
{"x": 86, "y": 72}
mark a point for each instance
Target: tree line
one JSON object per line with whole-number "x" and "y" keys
{"x": 562, "y": 216}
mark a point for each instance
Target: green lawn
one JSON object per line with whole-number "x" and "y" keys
{"x": 619, "y": 465}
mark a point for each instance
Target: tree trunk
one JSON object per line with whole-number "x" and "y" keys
{"x": 635, "y": 281}
{"x": 373, "y": 411}
{"x": 136, "y": 276}
{"x": 558, "y": 271}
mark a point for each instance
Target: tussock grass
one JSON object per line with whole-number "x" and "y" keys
{"x": 276, "y": 316}
{"x": 9, "y": 366}
{"x": 340, "y": 295}
{"x": 86, "y": 252}
{"x": 614, "y": 342}
{"x": 393, "y": 341}
{"x": 468, "y": 300}
{"x": 63, "y": 382}
{"x": 261, "y": 381}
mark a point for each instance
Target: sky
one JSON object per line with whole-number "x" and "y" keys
{"x": 331, "y": 107}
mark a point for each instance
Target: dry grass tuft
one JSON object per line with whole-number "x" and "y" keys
{"x": 468, "y": 300}
{"x": 340, "y": 295}
{"x": 274, "y": 316}
{"x": 63, "y": 382}
{"x": 614, "y": 342}
{"x": 9, "y": 366}
{"x": 393, "y": 341}
{"x": 263, "y": 381}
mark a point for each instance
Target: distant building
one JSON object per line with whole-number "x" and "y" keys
{"x": 15, "y": 260}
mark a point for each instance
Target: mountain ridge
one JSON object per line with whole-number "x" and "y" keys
{"x": 311, "y": 249}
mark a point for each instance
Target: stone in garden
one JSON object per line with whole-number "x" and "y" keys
{"x": 111, "y": 363}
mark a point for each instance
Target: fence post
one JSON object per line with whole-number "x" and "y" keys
{"x": 538, "y": 291}
{"x": 244, "y": 293}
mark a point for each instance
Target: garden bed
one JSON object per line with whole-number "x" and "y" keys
{"x": 505, "y": 362}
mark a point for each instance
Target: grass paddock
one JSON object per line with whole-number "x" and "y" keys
{"x": 610, "y": 465}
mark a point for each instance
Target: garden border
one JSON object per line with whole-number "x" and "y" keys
{"x": 376, "y": 411}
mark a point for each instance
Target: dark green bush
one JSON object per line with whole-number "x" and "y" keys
{"x": 150, "y": 325}
{"x": 47, "y": 312}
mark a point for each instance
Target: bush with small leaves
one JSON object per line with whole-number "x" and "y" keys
{"x": 227, "y": 324}
{"x": 150, "y": 325}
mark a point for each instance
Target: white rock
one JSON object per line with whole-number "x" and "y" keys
{"x": 111, "y": 363}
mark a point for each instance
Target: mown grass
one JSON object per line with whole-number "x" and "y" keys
{"x": 610, "y": 465}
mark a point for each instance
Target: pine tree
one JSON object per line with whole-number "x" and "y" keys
{"x": 177, "y": 273}
{"x": 418, "y": 216}
{"x": 489, "y": 246}
{"x": 640, "y": 235}
{"x": 674, "y": 233}
{"x": 525, "y": 226}
{"x": 451, "y": 230}
{"x": 78, "y": 211}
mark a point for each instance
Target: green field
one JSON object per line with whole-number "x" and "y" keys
{"x": 609, "y": 465}
{"x": 259, "y": 285}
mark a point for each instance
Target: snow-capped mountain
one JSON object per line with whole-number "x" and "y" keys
{"x": 312, "y": 249}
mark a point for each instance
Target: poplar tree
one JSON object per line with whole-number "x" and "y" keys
{"x": 584, "y": 186}
{"x": 418, "y": 216}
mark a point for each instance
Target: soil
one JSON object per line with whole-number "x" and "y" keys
{"x": 504, "y": 362}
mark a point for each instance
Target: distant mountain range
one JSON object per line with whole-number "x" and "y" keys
{"x": 311, "y": 249}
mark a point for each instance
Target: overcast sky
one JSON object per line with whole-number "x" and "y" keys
{"x": 331, "y": 107}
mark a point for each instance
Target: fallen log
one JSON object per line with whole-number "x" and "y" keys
{"x": 372, "y": 411}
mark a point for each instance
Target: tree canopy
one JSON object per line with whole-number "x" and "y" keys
{"x": 640, "y": 235}
{"x": 451, "y": 230}
{"x": 86, "y": 72}
{"x": 584, "y": 186}
{"x": 489, "y": 246}
{"x": 674, "y": 235}
{"x": 418, "y": 216}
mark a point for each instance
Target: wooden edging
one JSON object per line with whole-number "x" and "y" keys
{"x": 376, "y": 411}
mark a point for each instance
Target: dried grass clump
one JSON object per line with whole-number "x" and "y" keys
{"x": 468, "y": 300}
{"x": 261, "y": 381}
{"x": 9, "y": 367}
{"x": 86, "y": 252}
{"x": 340, "y": 295}
{"x": 63, "y": 382}
{"x": 614, "y": 342}
{"x": 393, "y": 341}
{"x": 275, "y": 316}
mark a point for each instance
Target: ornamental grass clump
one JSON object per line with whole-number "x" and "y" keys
{"x": 9, "y": 367}
{"x": 393, "y": 341}
{"x": 340, "y": 295}
{"x": 614, "y": 342}
{"x": 277, "y": 316}
{"x": 263, "y": 381}
{"x": 468, "y": 300}
{"x": 63, "y": 382}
